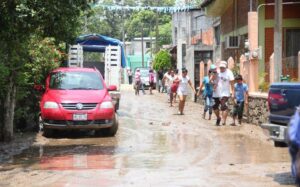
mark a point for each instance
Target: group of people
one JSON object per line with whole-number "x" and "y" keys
{"x": 217, "y": 88}
{"x": 139, "y": 84}
{"x": 177, "y": 85}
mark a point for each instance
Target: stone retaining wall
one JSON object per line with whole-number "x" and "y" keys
{"x": 258, "y": 108}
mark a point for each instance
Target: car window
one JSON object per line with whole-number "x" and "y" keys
{"x": 75, "y": 81}
{"x": 144, "y": 72}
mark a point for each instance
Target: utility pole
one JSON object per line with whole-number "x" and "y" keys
{"x": 278, "y": 40}
{"x": 123, "y": 29}
{"x": 156, "y": 30}
{"x": 142, "y": 45}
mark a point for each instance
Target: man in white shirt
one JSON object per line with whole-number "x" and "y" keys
{"x": 225, "y": 83}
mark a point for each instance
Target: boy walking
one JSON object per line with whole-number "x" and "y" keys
{"x": 240, "y": 99}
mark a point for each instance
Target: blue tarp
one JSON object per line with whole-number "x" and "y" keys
{"x": 98, "y": 43}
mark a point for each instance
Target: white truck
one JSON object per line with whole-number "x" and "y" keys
{"x": 112, "y": 70}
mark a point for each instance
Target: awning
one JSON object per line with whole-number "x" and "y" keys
{"x": 98, "y": 43}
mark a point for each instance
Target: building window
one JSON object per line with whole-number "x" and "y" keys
{"x": 292, "y": 44}
{"x": 217, "y": 34}
{"x": 148, "y": 45}
{"x": 183, "y": 50}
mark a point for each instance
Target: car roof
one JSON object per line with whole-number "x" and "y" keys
{"x": 75, "y": 69}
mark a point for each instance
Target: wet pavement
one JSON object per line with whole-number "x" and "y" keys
{"x": 153, "y": 147}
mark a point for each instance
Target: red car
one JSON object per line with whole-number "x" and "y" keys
{"x": 77, "y": 98}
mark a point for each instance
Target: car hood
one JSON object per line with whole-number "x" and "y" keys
{"x": 76, "y": 96}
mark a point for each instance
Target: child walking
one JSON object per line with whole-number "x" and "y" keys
{"x": 240, "y": 99}
{"x": 208, "y": 91}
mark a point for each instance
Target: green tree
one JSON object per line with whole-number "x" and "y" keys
{"x": 140, "y": 22}
{"x": 20, "y": 20}
{"x": 105, "y": 22}
{"x": 162, "y": 60}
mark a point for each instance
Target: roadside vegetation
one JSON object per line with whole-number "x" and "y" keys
{"x": 34, "y": 39}
{"x": 32, "y": 34}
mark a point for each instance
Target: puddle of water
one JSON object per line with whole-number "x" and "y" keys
{"x": 240, "y": 149}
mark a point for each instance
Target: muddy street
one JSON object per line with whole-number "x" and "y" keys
{"x": 153, "y": 147}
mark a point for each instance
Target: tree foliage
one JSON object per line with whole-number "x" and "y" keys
{"x": 24, "y": 25}
{"x": 141, "y": 20}
{"x": 162, "y": 60}
{"x": 110, "y": 23}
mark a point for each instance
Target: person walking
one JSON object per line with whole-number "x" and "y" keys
{"x": 173, "y": 86}
{"x": 182, "y": 91}
{"x": 151, "y": 81}
{"x": 225, "y": 82}
{"x": 240, "y": 99}
{"x": 129, "y": 73}
{"x": 137, "y": 81}
{"x": 208, "y": 91}
{"x": 175, "y": 91}
{"x": 160, "y": 80}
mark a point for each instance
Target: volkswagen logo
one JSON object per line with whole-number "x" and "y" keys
{"x": 79, "y": 106}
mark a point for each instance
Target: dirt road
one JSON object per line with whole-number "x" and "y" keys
{"x": 153, "y": 147}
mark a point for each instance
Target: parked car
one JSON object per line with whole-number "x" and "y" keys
{"x": 145, "y": 77}
{"x": 283, "y": 99}
{"x": 77, "y": 98}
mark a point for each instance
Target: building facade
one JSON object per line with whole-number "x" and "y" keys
{"x": 135, "y": 54}
{"x": 192, "y": 35}
{"x": 247, "y": 34}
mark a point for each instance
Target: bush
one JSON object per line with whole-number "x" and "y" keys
{"x": 162, "y": 60}
{"x": 263, "y": 85}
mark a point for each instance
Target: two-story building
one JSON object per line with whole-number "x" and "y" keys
{"x": 135, "y": 52}
{"x": 247, "y": 30}
{"x": 192, "y": 36}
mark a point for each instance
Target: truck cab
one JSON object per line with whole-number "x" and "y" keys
{"x": 283, "y": 99}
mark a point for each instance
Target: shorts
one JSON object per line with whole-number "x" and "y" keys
{"x": 220, "y": 101}
{"x": 182, "y": 92}
{"x": 151, "y": 84}
{"x": 168, "y": 90}
{"x": 238, "y": 109}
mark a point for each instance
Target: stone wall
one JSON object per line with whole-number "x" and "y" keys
{"x": 258, "y": 108}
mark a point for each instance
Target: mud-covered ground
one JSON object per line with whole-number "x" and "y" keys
{"x": 153, "y": 147}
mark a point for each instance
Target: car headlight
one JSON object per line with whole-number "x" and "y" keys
{"x": 106, "y": 105}
{"x": 50, "y": 104}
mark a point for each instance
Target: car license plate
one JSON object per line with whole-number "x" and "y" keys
{"x": 79, "y": 117}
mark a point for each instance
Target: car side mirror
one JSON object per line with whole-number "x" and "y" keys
{"x": 39, "y": 88}
{"x": 112, "y": 88}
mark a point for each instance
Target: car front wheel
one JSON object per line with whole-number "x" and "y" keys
{"x": 111, "y": 131}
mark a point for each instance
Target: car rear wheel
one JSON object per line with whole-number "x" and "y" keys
{"x": 111, "y": 131}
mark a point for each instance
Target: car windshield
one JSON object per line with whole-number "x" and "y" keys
{"x": 144, "y": 72}
{"x": 75, "y": 81}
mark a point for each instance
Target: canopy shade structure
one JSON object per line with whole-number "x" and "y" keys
{"x": 98, "y": 43}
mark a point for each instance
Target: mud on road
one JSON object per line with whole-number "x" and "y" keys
{"x": 153, "y": 147}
